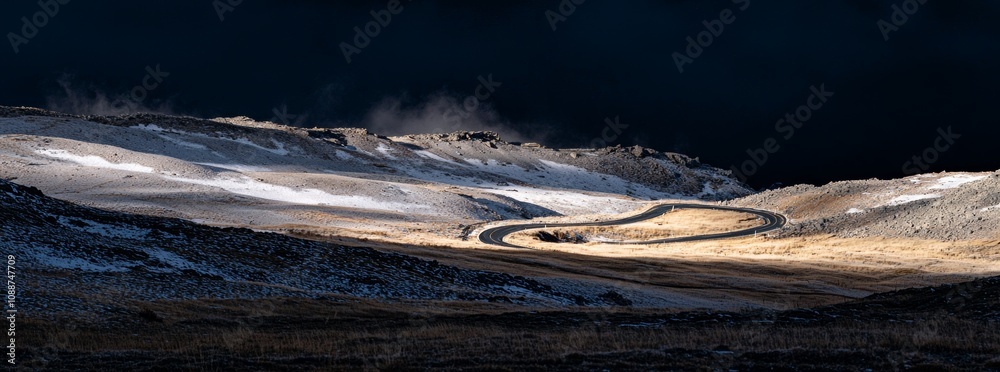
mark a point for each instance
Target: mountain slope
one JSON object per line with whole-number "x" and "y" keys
{"x": 239, "y": 172}
{"x": 75, "y": 256}
{"x": 944, "y": 206}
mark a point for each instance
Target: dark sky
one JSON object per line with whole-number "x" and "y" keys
{"x": 606, "y": 59}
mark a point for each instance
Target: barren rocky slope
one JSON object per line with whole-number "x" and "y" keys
{"x": 238, "y": 172}
{"x": 943, "y": 206}
{"x": 80, "y": 260}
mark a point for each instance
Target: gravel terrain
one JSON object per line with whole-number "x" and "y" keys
{"x": 942, "y": 206}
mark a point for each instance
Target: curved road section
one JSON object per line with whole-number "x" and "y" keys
{"x": 772, "y": 221}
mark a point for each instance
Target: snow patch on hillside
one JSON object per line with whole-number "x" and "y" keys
{"x": 237, "y": 167}
{"x": 278, "y": 150}
{"x": 155, "y": 128}
{"x": 177, "y": 262}
{"x": 430, "y": 155}
{"x": 951, "y": 182}
{"x": 553, "y": 174}
{"x": 182, "y": 143}
{"x": 385, "y": 150}
{"x": 102, "y": 229}
{"x": 343, "y": 155}
{"x": 707, "y": 190}
{"x": 903, "y": 199}
{"x": 44, "y": 256}
{"x": 565, "y": 202}
{"x": 248, "y": 187}
{"x": 94, "y": 161}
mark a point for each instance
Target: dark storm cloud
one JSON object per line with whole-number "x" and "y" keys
{"x": 604, "y": 60}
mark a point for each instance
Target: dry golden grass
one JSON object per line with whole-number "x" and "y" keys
{"x": 683, "y": 222}
{"x": 779, "y": 272}
{"x": 773, "y": 272}
{"x": 874, "y": 264}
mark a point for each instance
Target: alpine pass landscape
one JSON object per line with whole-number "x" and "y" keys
{"x": 555, "y": 185}
{"x": 135, "y": 231}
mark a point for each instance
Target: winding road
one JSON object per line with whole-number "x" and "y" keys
{"x": 772, "y": 221}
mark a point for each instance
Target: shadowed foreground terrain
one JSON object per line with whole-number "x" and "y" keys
{"x": 921, "y": 329}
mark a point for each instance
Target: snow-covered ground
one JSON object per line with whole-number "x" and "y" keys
{"x": 951, "y": 182}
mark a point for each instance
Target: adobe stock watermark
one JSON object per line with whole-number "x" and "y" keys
{"x": 565, "y": 9}
{"x": 602, "y": 317}
{"x": 154, "y": 77}
{"x": 282, "y": 116}
{"x": 225, "y": 6}
{"x": 483, "y": 92}
{"x": 787, "y": 125}
{"x": 31, "y": 26}
{"x": 962, "y": 291}
{"x": 363, "y": 37}
{"x": 607, "y": 137}
{"x": 900, "y": 15}
{"x": 11, "y": 305}
{"x": 696, "y": 45}
{"x": 923, "y": 161}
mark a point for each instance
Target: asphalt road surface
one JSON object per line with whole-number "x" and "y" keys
{"x": 772, "y": 221}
